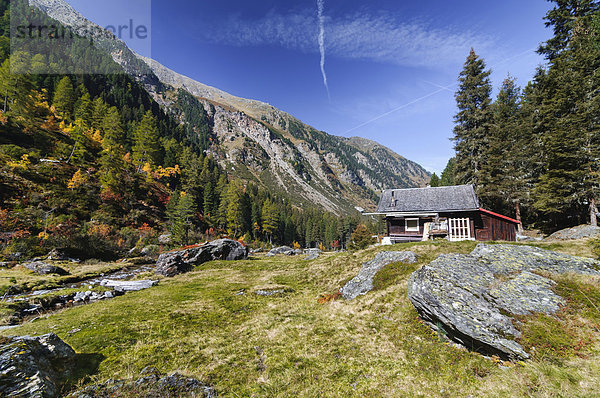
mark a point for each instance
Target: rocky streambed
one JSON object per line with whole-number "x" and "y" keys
{"x": 29, "y": 305}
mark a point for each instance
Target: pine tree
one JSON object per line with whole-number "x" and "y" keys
{"x": 112, "y": 166}
{"x": 501, "y": 177}
{"x": 234, "y": 209}
{"x": 434, "y": 181}
{"x": 447, "y": 179}
{"x": 180, "y": 213}
{"x": 565, "y": 18}
{"x": 146, "y": 147}
{"x": 270, "y": 219}
{"x": 64, "y": 98}
{"x": 568, "y": 187}
{"x": 472, "y": 120}
{"x": 16, "y": 89}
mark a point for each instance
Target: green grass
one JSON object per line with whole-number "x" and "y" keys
{"x": 291, "y": 345}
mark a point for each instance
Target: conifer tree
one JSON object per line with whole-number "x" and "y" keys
{"x": 146, "y": 147}
{"x": 447, "y": 178}
{"x": 568, "y": 187}
{"x": 270, "y": 219}
{"x": 434, "y": 181}
{"x": 64, "y": 97}
{"x": 503, "y": 175}
{"x": 472, "y": 122}
{"x": 112, "y": 166}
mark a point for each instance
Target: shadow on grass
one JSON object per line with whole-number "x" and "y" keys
{"x": 84, "y": 366}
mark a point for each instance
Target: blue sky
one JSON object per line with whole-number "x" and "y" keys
{"x": 391, "y": 66}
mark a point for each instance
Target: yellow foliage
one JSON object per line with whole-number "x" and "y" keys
{"x": 167, "y": 172}
{"x": 127, "y": 157}
{"x": 296, "y": 245}
{"x": 67, "y": 129}
{"x": 3, "y": 118}
{"x": 43, "y": 235}
{"x": 147, "y": 168}
{"x": 77, "y": 180}
{"x": 96, "y": 136}
{"x": 20, "y": 164}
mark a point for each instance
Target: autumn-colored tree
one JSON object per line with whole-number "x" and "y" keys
{"x": 78, "y": 180}
{"x": 361, "y": 238}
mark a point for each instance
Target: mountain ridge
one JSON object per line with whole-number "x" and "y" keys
{"x": 260, "y": 143}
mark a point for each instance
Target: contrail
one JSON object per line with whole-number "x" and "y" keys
{"x": 320, "y": 7}
{"x": 442, "y": 88}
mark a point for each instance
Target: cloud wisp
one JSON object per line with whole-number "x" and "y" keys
{"x": 374, "y": 37}
{"x": 321, "y": 39}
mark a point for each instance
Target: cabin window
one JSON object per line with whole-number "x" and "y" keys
{"x": 412, "y": 224}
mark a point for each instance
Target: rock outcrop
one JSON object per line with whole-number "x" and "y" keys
{"x": 42, "y": 268}
{"x": 579, "y": 232}
{"x": 313, "y": 254}
{"x": 363, "y": 282}
{"x": 473, "y": 298}
{"x": 288, "y": 251}
{"x": 33, "y": 366}
{"x": 150, "y": 384}
{"x": 176, "y": 262}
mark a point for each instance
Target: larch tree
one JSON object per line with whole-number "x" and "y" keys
{"x": 270, "y": 219}
{"x": 472, "y": 122}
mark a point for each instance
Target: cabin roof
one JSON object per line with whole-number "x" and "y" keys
{"x": 431, "y": 199}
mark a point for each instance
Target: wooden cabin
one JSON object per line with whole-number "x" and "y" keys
{"x": 452, "y": 213}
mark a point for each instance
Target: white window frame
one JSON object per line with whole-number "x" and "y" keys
{"x": 407, "y": 229}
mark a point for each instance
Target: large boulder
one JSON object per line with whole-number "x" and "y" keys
{"x": 363, "y": 282}
{"x": 151, "y": 383}
{"x": 42, "y": 268}
{"x": 578, "y": 232}
{"x": 34, "y": 366}
{"x": 288, "y": 251}
{"x": 473, "y": 298}
{"x": 176, "y": 262}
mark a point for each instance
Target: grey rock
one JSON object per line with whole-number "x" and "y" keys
{"x": 268, "y": 293}
{"x": 578, "y": 232}
{"x": 363, "y": 282}
{"x": 60, "y": 255}
{"x": 165, "y": 239}
{"x": 176, "y": 262}
{"x": 128, "y": 286}
{"x": 286, "y": 250}
{"x": 151, "y": 384}
{"x": 150, "y": 250}
{"x": 34, "y": 366}
{"x": 473, "y": 298}
{"x": 42, "y": 268}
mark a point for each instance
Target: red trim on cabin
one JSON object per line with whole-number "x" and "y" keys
{"x": 499, "y": 215}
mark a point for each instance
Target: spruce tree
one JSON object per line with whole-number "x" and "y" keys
{"x": 434, "y": 181}
{"x": 472, "y": 122}
{"x": 64, "y": 98}
{"x": 112, "y": 166}
{"x": 146, "y": 147}
{"x": 447, "y": 178}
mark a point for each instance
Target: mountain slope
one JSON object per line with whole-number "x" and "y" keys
{"x": 257, "y": 142}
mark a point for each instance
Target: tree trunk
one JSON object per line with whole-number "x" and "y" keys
{"x": 518, "y": 217}
{"x": 593, "y": 211}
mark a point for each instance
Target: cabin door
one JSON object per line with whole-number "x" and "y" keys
{"x": 459, "y": 229}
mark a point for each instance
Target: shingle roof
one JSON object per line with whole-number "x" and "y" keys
{"x": 461, "y": 197}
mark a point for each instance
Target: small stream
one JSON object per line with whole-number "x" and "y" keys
{"x": 29, "y": 306}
